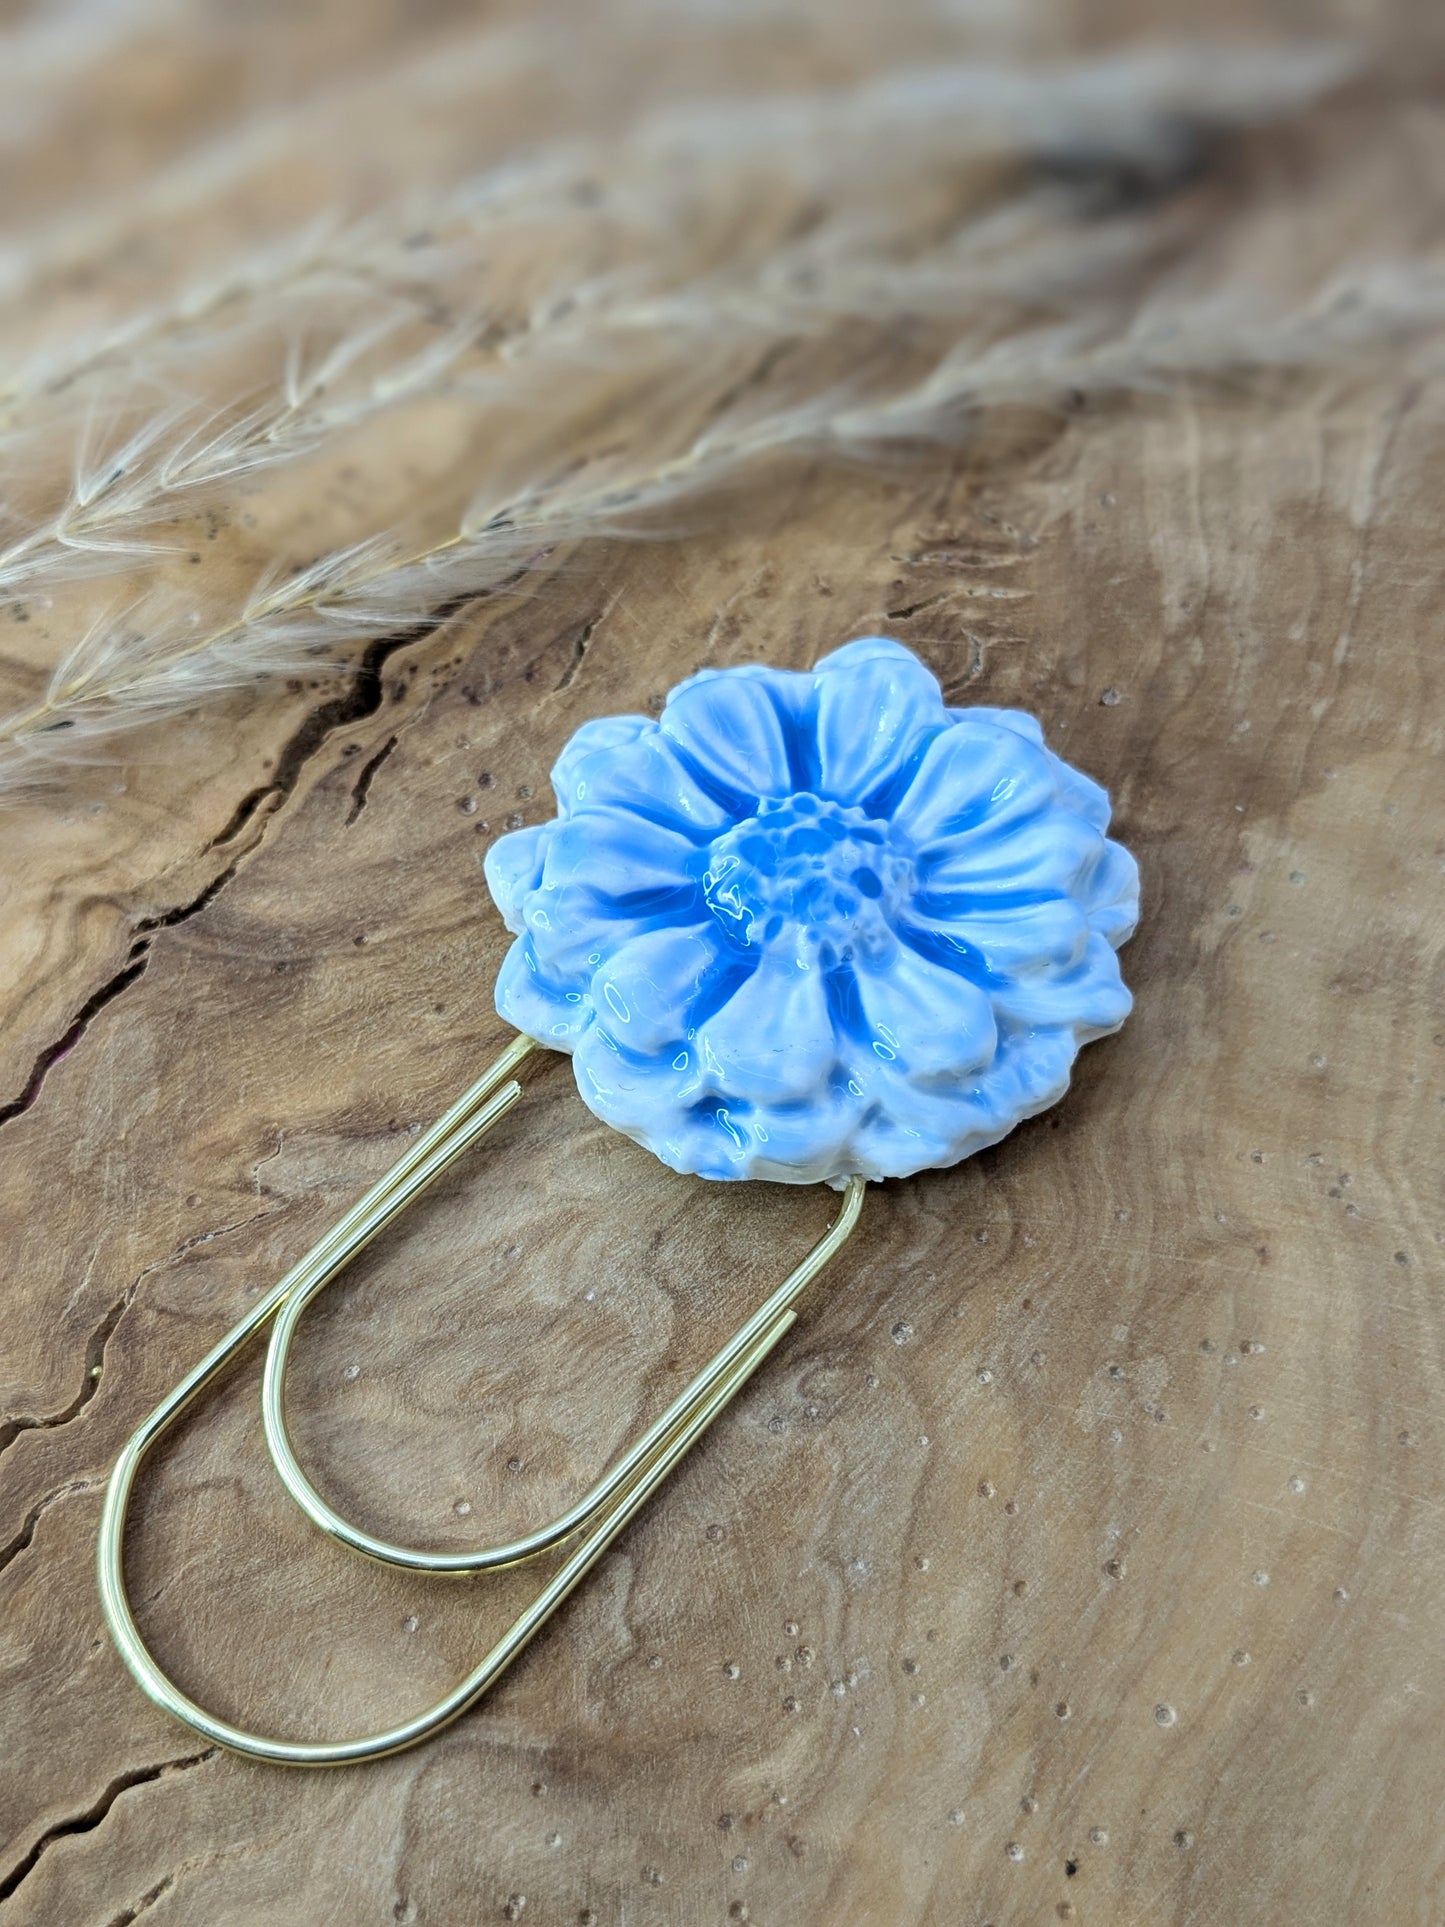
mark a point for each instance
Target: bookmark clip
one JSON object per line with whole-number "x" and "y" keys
{"x": 805, "y": 927}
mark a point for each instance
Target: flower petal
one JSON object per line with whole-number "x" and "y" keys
{"x": 876, "y": 714}
{"x": 513, "y": 866}
{"x": 601, "y": 732}
{"x": 1076, "y": 791}
{"x": 619, "y": 856}
{"x": 910, "y": 1126}
{"x": 646, "y": 778}
{"x": 1018, "y": 938}
{"x": 1081, "y": 793}
{"x": 607, "y": 876}
{"x": 1018, "y": 720}
{"x": 865, "y": 649}
{"x": 804, "y": 1143}
{"x": 643, "y": 992}
{"x": 742, "y": 733}
{"x": 1052, "y": 852}
{"x": 975, "y": 779}
{"x": 772, "y": 1042}
{"x": 1088, "y": 1000}
{"x": 902, "y": 1129}
{"x": 658, "y": 1106}
{"x": 537, "y": 1005}
{"x": 929, "y": 1021}
{"x": 1112, "y": 897}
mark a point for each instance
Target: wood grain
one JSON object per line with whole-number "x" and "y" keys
{"x": 1080, "y": 1555}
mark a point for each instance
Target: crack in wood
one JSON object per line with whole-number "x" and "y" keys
{"x": 100, "y": 1337}
{"x": 9, "y": 1553}
{"x": 70, "y": 1037}
{"x": 148, "y": 1899}
{"x": 912, "y": 608}
{"x": 91, "y": 1371}
{"x": 241, "y": 816}
{"x": 93, "y": 1815}
{"x": 364, "y": 699}
{"x": 365, "y": 777}
{"x": 579, "y": 651}
{"x": 135, "y": 966}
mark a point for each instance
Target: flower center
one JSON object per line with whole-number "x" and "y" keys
{"x": 810, "y": 871}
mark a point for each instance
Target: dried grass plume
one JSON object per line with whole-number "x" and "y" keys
{"x": 605, "y": 324}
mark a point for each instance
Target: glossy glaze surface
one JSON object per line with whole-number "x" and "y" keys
{"x": 812, "y": 924}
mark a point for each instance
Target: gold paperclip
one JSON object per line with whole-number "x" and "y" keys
{"x": 594, "y": 1521}
{"x": 904, "y": 916}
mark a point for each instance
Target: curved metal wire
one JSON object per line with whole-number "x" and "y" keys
{"x": 600, "y": 1516}
{"x": 616, "y": 1479}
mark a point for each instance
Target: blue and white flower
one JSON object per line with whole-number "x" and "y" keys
{"x": 810, "y": 925}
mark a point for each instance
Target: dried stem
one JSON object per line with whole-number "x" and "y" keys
{"x": 120, "y": 676}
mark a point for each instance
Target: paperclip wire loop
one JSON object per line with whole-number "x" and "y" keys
{"x": 376, "y": 1746}
{"x": 628, "y": 1485}
{"x": 469, "y": 1118}
{"x": 615, "y": 1480}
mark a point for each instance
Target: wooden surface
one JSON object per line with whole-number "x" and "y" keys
{"x": 1080, "y": 1555}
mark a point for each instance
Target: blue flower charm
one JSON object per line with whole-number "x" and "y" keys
{"x": 811, "y": 925}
